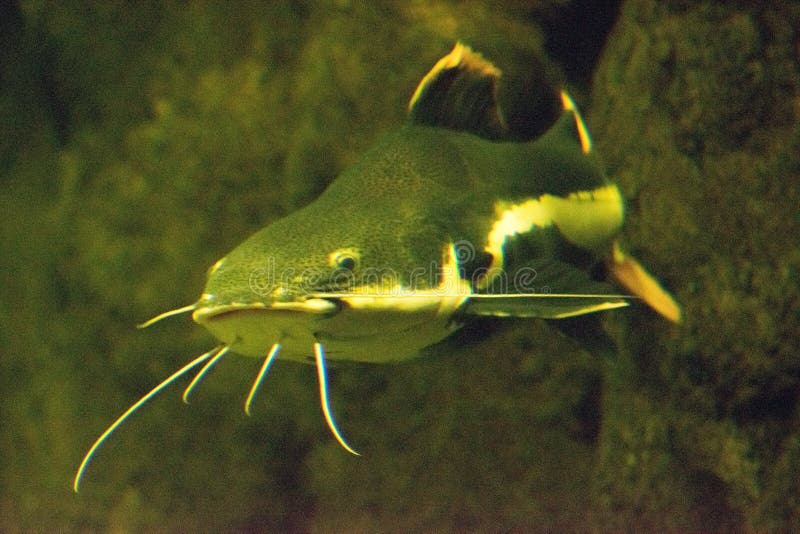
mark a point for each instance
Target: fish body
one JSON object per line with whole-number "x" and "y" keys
{"x": 443, "y": 221}
{"x": 397, "y": 214}
{"x": 432, "y": 225}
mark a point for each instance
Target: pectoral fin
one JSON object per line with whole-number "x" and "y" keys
{"x": 543, "y": 306}
{"x": 546, "y": 289}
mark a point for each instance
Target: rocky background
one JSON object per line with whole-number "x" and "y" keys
{"x": 138, "y": 145}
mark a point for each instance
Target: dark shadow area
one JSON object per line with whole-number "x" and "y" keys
{"x": 576, "y": 35}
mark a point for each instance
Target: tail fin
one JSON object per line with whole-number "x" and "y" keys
{"x": 633, "y": 277}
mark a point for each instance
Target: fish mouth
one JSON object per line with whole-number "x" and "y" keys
{"x": 314, "y": 306}
{"x": 249, "y": 328}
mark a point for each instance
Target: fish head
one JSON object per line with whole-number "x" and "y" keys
{"x": 326, "y": 275}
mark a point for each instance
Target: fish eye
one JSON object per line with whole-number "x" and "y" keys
{"x": 347, "y": 262}
{"x": 346, "y": 259}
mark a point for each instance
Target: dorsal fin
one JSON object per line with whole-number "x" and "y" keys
{"x": 460, "y": 93}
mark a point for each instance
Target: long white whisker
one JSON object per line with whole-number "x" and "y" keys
{"x": 323, "y": 397}
{"x": 273, "y": 352}
{"x": 170, "y": 313}
{"x": 138, "y": 404}
{"x": 206, "y": 368}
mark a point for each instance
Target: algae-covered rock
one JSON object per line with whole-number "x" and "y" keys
{"x": 695, "y": 111}
{"x": 144, "y": 144}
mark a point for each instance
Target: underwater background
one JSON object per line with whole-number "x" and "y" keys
{"x": 139, "y": 145}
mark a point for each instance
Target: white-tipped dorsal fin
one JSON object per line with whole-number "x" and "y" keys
{"x": 460, "y": 93}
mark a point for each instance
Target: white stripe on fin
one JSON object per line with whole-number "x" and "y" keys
{"x": 583, "y": 132}
{"x": 588, "y": 219}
